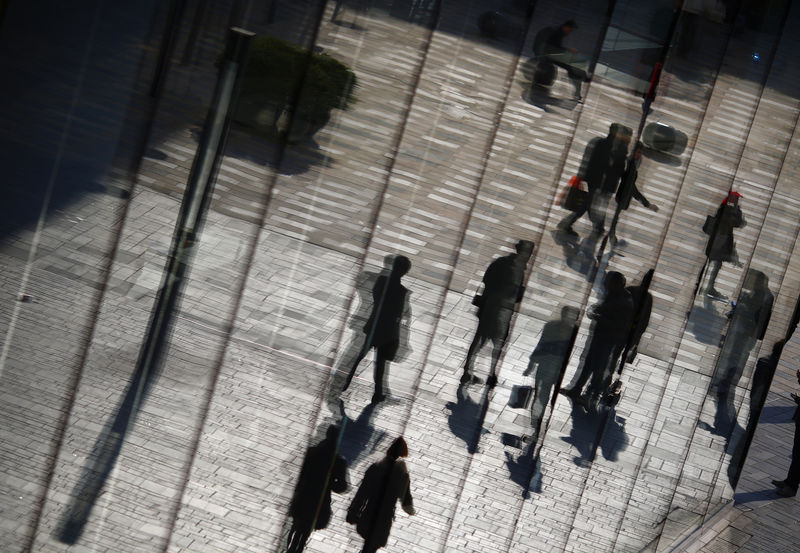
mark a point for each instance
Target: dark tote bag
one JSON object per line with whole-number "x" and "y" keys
{"x": 520, "y": 397}
{"x": 574, "y": 197}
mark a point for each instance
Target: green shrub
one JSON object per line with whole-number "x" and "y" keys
{"x": 276, "y": 68}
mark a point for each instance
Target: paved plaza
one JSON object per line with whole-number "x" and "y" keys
{"x": 449, "y": 158}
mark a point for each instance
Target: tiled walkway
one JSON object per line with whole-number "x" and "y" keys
{"x": 447, "y": 159}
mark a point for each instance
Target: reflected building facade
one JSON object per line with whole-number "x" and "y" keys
{"x": 366, "y": 130}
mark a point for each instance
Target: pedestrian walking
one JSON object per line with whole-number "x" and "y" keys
{"x": 385, "y": 483}
{"x": 502, "y": 290}
{"x": 748, "y": 324}
{"x": 611, "y": 323}
{"x": 642, "y": 308}
{"x": 548, "y": 359}
{"x": 390, "y": 312}
{"x": 549, "y": 44}
{"x": 602, "y": 167}
{"x": 628, "y": 191}
{"x": 721, "y": 246}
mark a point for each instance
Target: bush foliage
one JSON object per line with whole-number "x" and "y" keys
{"x": 276, "y": 69}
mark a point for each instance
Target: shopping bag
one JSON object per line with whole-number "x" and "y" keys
{"x": 520, "y": 397}
{"x": 574, "y": 196}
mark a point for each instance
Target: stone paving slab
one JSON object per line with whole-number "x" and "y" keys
{"x": 270, "y": 396}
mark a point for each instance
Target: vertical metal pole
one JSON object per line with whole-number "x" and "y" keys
{"x": 196, "y": 198}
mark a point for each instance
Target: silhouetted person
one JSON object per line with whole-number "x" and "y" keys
{"x": 642, "y": 307}
{"x": 384, "y": 483}
{"x": 602, "y": 166}
{"x": 383, "y": 327}
{"x": 502, "y": 290}
{"x": 788, "y": 486}
{"x": 549, "y": 43}
{"x": 324, "y": 471}
{"x": 749, "y": 319}
{"x": 612, "y": 320}
{"x": 628, "y": 191}
{"x": 549, "y": 360}
{"x": 721, "y": 246}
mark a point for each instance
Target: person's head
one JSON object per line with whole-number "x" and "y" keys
{"x": 524, "y": 248}
{"x": 732, "y": 199}
{"x": 399, "y": 448}
{"x": 614, "y": 282}
{"x": 332, "y": 433}
{"x": 400, "y": 266}
{"x": 777, "y": 348}
{"x": 568, "y": 26}
{"x": 756, "y": 280}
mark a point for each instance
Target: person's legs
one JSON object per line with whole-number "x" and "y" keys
{"x": 497, "y": 349}
{"x": 793, "y": 477}
{"x": 297, "y": 539}
{"x": 566, "y": 223}
{"x": 380, "y": 374}
{"x": 359, "y": 358}
{"x": 713, "y": 271}
{"x": 477, "y": 343}
{"x": 597, "y": 211}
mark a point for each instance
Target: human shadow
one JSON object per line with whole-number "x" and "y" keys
{"x": 104, "y": 455}
{"x": 579, "y": 254}
{"x": 540, "y": 97}
{"x": 465, "y": 414}
{"x": 596, "y": 428}
{"x": 748, "y": 497}
{"x": 525, "y": 470}
{"x": 386, "y": 329}
{"x": 748, "y": 322}
{"x": 324, "y": 471}
{"x": 359, "y": 437}
{"x": 705, "y": 322}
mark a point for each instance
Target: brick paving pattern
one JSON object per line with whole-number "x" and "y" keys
{"x": 447, "y": 159}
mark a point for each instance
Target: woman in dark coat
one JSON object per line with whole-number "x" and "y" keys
{"x": 384, "y": 483}
{"x": 721, "y": 246}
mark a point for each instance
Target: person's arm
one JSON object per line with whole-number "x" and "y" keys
{"x": 640, "y": 197}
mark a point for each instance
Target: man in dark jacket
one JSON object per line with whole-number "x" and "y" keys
{"x": 549, "y": 43}
{"x": 602, "y": 166}
{"x": 502, "y": 291}
{"x": 642, "y": 307}
{"x": 612, "y": 320}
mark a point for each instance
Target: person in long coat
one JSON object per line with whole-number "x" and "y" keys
{"x": 324, "y": 471}
{"x": 721, "y": 246}
{"x": 384, "y": 483}
{"x": 383, "y": 328}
